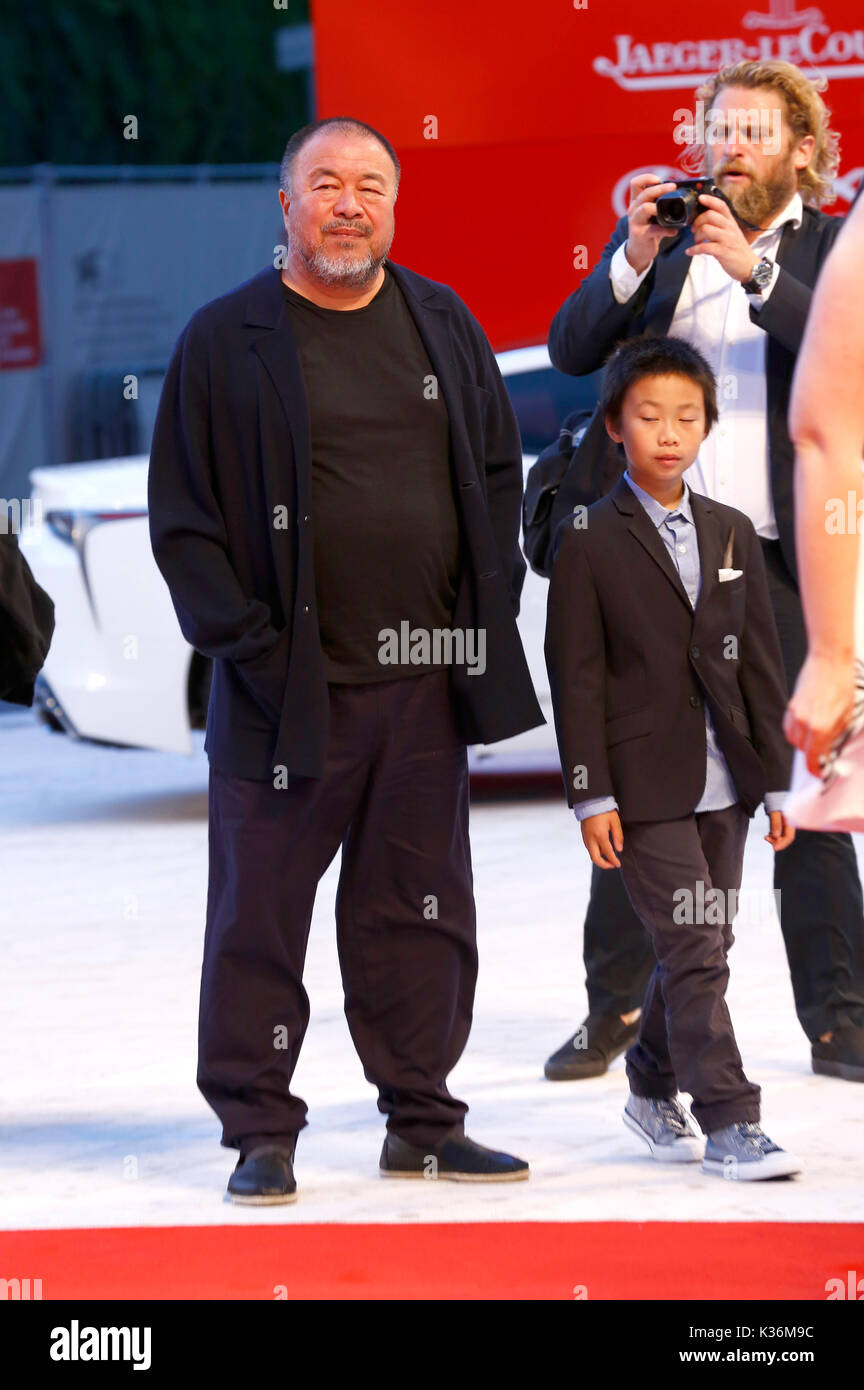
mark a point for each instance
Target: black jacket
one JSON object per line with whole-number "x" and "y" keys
{"x": 231, "y": 452}
{"x": 631, "y": 663}
{"x": 591, "y": 322}
{"x": 26, "y": 623}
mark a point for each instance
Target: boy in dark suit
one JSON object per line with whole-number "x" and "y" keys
{"x": 668, "y": 691}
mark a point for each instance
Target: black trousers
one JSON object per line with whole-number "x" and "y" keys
{"x": 686, "y": 1042}
{"x": 395, "y": 797}
{"x": 821, "y": 911}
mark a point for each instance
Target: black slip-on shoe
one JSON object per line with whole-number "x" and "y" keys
{"x": 457, "y": 1159}
{"x": 597, "y": 1042}
{"x": 263, "y": 1178}
{"x": 843, "y": 1056}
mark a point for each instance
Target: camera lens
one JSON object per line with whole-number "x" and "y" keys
{"x": 672, "y": 209}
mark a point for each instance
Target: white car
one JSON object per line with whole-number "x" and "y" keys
{"x": 119, "y": 669}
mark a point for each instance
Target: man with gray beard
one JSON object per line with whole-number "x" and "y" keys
{"x": 335, "y": 455}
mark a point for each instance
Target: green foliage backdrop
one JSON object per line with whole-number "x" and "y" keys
{"x": 200, "y": 75}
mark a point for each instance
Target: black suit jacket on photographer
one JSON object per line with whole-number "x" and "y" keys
{"x": 591, "y": 322}
{"x": 631, "y": 662}
{"x": 231, "y": 448}
{"x": 26, "y": 622}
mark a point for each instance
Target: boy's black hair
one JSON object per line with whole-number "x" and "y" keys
{"x": 652, "y": 356}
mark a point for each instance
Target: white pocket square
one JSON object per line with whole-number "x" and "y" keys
{"x": 723, "y": 575}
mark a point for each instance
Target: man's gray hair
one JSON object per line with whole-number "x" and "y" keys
{"x": 345, "y": 124}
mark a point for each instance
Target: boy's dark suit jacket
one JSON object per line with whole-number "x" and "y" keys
{"x": 231, "y": 453}
{"x": 631, "y": 663}
{"x": 591, "y": 322}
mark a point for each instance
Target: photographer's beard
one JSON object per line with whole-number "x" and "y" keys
{"x": 758, "y": 201}
{"x": 330, "y": 263}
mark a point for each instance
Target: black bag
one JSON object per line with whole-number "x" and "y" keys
{"x": 586, "y": 463}
{"x": 591, "y": 463}
{"x": 541, "y": 486}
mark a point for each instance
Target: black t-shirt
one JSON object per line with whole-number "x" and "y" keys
{"x": 384, "y": 518}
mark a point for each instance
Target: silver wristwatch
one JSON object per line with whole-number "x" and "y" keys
{"x": 761, "y": 277}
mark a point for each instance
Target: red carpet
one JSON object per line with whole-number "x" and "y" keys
{"x": 506, "y": 1260}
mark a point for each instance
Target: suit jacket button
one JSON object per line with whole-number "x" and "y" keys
{"x": 694, "y": 652}
{"x": 694, "y": 700}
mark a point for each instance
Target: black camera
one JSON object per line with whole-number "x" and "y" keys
{"x": 679, "y": 209}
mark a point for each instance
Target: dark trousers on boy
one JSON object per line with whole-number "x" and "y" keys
{"x": 686, "y": 1041}
{"x": 817, "y": 878}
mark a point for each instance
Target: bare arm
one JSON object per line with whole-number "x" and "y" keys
{"x": 826, "y": 422}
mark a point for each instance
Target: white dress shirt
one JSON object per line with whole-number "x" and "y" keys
{"x": 713, "y": 313}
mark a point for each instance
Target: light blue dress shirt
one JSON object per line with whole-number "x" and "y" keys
{"x": 677, "y": 530}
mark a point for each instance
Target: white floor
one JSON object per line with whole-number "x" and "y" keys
{"x": 104, "y": 863}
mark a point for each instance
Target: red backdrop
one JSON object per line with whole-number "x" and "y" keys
{"x": 540, "y": 115}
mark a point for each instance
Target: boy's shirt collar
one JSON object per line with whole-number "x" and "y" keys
{"x": 657, "y": 512}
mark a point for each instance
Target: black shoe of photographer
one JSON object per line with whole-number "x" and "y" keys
{"x": 597, "y": 1042}
{"x": 843, "y": 1056}
{"x": 457, "y": 1159}
{"x": 263, "y": 1178}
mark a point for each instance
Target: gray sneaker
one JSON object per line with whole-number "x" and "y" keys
{"x": 665, "y": 1126}
{"x": 743, "y": 1153}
